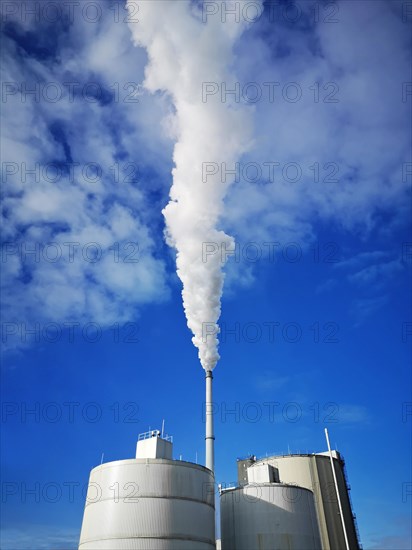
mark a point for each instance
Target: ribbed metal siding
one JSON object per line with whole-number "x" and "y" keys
{"x": 149, "y": 504}
{"x": 314, "y": 473}
{"x": 269, "y": 516}
{"x": 146, "y": 544}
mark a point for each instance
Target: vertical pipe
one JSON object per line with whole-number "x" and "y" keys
{"x": 210, "y": 436}
{"x": 337, "y": 490}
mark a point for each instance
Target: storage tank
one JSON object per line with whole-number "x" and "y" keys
{"x": 151, "y": 502}
{"x": 313, "y": 471}
{"x": 268, "y": 516}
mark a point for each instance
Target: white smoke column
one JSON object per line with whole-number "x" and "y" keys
{"x": 185, "y": 52}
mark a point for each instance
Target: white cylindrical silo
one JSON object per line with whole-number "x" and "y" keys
{"x": 150, "y": 504}
{"x": 313, "y": 471}
{"x": 267, "y": 516}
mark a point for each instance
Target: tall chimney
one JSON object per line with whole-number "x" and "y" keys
{"x": 210, "y": 436}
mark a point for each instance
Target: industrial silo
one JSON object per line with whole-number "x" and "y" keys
{"x": 313, "y": 472}
{"x": 151, "y": 502}
{"x": 268, "y": 516}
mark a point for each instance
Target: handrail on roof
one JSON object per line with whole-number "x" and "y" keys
{"x": 154, "y": 433}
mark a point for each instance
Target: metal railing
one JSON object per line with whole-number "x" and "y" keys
{"x": 154, "y": 433}
{"x": 355, "y": 521}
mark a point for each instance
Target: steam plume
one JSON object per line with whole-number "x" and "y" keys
{"x": 184, "y": 53}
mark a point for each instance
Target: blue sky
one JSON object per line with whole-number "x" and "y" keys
{"x": 316, "y": 334}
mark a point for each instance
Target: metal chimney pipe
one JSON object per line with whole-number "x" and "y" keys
{"x": 210, "y": 436}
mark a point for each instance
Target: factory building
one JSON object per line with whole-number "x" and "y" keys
{"x": 282, "y": 502}
{"x": 151, "y": 502}
{"x": 291, "y": 502}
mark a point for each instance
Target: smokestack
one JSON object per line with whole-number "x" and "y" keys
{"x": 210, "y": 436}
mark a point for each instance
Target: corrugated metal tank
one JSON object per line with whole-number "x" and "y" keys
{"x": 314, "y": 473}
{"x": 150, "y": 504}
{"x": 268, "y": 516}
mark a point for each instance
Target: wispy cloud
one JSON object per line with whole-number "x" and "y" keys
{"x": 269, "y": 382}
{"x": 372, "y": 274}
{"x": 391, "y": 542}
{"x": 362, "y": 259}
{"x": 353, "y": 414}
{"x": 39, "y": 538}
{"x": 398, "y": 535}
{"x": 365, "y": 307}
{"x": 352, "y": 132}
{"x": 326, "y": 286}
{"x": 80, "y": 175}
{"x": 374, "y": 267}
{"x": 104, "y": 119}
{"x": 376, "y": 274}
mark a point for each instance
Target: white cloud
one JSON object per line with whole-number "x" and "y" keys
{"x": 268, "y": 382}
{"x": 365, "y": 135}
{"x": 365, "y": 307}
{"x": 353, "y": 414}
{"x": 376, "y": 274}
{"x": 111, "y": 209}
{"x": 39, "y": 538}
{"x": 357, "y": 134}
{"x": 362, "y": 259}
